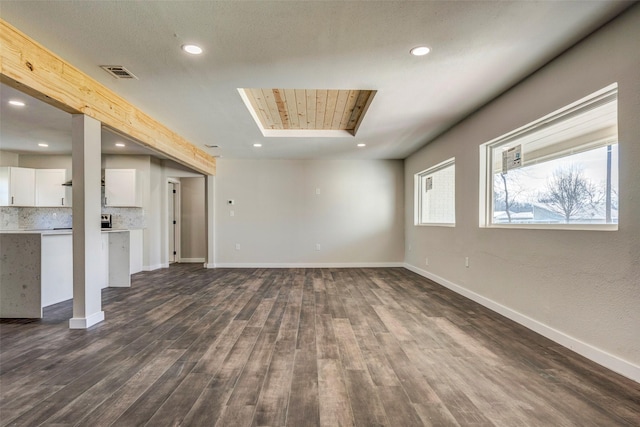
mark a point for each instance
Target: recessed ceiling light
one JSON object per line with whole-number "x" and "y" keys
{"x": 420, "y": 51}
{"x": 42, "y": 144}
{"x": 257, "y": 145}
{"x": 192, "y": 49}
{"x": 362, "y": 145}
{"x": 16, "y": 103}
{"x": 120, "y": 144}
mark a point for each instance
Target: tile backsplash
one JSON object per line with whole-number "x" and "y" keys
{"x": 14, "y": 218}
{"x": 127, "y": 218}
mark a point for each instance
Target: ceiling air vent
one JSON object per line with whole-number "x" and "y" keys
{"x": 118, "y": 71}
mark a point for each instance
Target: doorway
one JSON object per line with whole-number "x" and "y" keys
{"x": 174, "y": 221}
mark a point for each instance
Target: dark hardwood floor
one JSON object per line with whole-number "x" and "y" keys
{"x": 297, "y": 347}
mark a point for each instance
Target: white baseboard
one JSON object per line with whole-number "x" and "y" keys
{"x": 601, "y": 357}
{"x": 187, "y": 260}
{"x": 209, "y": 265}
{"x": 309, "y": 265}
{"x": 154, "y": 267}
{"x": 86, "y": 322}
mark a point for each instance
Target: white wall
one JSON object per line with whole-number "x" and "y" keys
{"x": 60, "y": 161}
{"x": 9, "y": 159}
{"x": 581, "y": 288}
{"x": 278, "y": 217}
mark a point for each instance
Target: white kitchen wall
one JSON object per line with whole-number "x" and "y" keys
{"x": 58, "y": 161}
{"x": 580, "y": 288}
{"x": 283, "y": 209}
{"x": 8, "y": 159}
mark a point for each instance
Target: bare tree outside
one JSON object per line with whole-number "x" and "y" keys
{"x": 507, "y": 191}
{"x": 569, "y": 192}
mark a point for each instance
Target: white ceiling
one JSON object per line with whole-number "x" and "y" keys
{"x": 479, "y": 49}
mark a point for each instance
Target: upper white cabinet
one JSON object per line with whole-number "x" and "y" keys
{"x": 17, "y": 186}
{"x": 122, "y": 188}
{"x": 49, "y": 189}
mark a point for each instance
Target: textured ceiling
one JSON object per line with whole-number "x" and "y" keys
{"x": 479, "y": 49}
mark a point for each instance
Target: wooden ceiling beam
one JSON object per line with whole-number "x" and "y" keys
{"x": 31, "y": 68}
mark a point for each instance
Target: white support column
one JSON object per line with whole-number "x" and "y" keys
{"x": 209, "y": 188}
{"x": 87, "y": 240}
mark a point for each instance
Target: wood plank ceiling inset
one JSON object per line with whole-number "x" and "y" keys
{"x": 308, "y": 109}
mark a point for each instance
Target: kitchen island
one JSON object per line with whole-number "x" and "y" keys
{"x": 36, "y": 268}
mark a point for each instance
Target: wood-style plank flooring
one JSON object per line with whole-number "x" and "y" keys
{"x": 297, "y": 347}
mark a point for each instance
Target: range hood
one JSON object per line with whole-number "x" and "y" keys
{"x": 70, "y": 184}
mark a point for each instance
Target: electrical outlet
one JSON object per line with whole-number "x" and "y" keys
{"x": 426, "y": 261}
{"x": 237, "y": 246}
{"x": 317, "y": 246}
{"x": 232, "y": 213}
{"x": 466, "y": 261}
{"x": 317, "y": 191}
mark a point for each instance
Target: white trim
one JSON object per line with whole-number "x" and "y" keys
{"x": 419, "y": 193}
{"x": 154, "y": 267}
{"x": 558, "y": 226}
{"x": 211, "y": 265}
{"x": 601, "y": 357}
{"x": 309, "y": 265}
{"x": 301, "y": 133}
{"x": 187, "y": 260}
{"x": 86, "y": 322}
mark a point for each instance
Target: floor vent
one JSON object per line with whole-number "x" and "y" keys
{"x": 118, "y": 71}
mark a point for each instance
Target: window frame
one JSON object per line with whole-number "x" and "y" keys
{"x": 418, "y": 193}
{"x": 486, "y": 181}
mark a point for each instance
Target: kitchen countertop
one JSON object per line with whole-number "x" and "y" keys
{"x": 48, "y": 232}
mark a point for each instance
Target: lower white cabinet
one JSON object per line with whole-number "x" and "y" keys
{"x": 136, "y": 250}
{"x": 56, "y": 268}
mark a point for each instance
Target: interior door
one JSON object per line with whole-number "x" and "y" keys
{"x": 172, "y": 223}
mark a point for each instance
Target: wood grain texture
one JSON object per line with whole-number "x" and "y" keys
{"x": 31, "y": 68}
{"x": 312, "y": 109}
{"x": 297, "y": 347}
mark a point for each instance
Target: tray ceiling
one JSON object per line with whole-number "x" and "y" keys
{"x": 307, "y": 112}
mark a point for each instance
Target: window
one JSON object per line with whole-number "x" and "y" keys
{"x": 560, "y": 171}
{"x": 436, "y": 195}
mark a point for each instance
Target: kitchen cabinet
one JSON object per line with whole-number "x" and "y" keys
{"x": 49, "y": 189}
{"x": 122, "y": 188}
{"x": 17, "y": 186}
